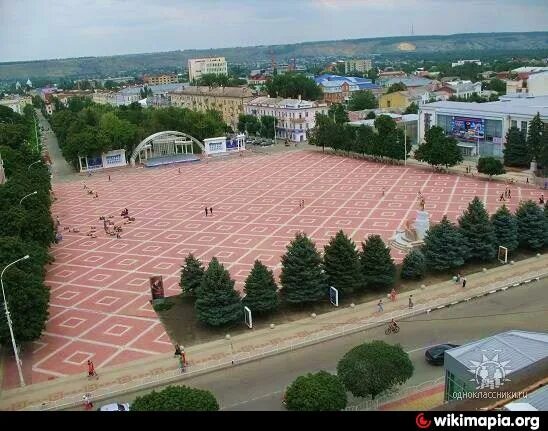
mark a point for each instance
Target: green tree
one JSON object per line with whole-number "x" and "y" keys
{"x": 338, "y": 113}
{"x": 342, "y": 264}
{"x": 293, "y": 85}
{"x": 360, "y": 100}
{"x": 302, "y": 276}
{"x": 444, "y": 246}
{"x": 543, "y": 157}
{"x": 318, "y": 392}
{"x": 267, "y": 126}
{"x": 261, "y": 291}
{"x": 324, "y": 133}
{"x": 176, "y": 398}
{"x": 397, "y": 86}
{"x": 413, "y": 108}
{"x": 497, "y": 85}
{"x": 370, "y": 115}
{"x": 438, "y": 149}
{"x": 413, "y": 266}
{"x": 478, "y": 231}
{"x": 506, "y": 228}
{"x": 490, "y": 166}
{"x": 390, "y": 141}
{"x": 249, "y": 124}
{"x": 531, "y": 225}
{"x": 534, "y": 137}
{"x": 217, "y": 303}
{"x": 378, "y": 267}
{"x": 192, "y": 273}
{"x": 366, "y": 140}
{"x": 515, "y": 151}
{"x": 371, "y": 369}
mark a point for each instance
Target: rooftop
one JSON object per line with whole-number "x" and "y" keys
{"x": 280, "y": 102}
{"x": 535, "y": 401}
{"x": 416, "y": 81}
{"x": 215, "y": 91}
{"x": 160, "y": 88}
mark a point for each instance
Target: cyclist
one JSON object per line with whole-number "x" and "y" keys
{"x": 393, "y": 325}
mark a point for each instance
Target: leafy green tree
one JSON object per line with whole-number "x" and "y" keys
{"x": 413, "y": 266}
{"x": 390, "y": 141}
{"x": 217, "y": 303}
{"x": 444, "y": 246}
{"x": 302, "y": 277}
{"x": 267, "y": 126}
{"x": 342, "y": 264}
{"x": 371, "y": 369}
{"x": 366, "y": 140}
{"x": 490, "y": 166}
{"x": 497, "y": 85}
{"x": 370, "y": 115}
{"x": 534, "y": 137}
{"x": 438, "y": 149}
{"x": 478, "y": 231}
{"x": 319, "y": 392}
{"x": 338, "y": 113}
{"x": 324, "y": 133}
{"x": 293, "y": 85}
{"x": 249, "y": 124}
{"x": 531, "y": 225}
{"x": 397, "y": 86}
{"x": 378, "y": 267}
{"x": 192, "y": 273}
{"x": 360, "y": 100}
{"x": 543, "y": 156}
{"x": 176, "y": 398}
{"x": 261, "y": 291}
{"x": 506, "y": 228}
{"x": 515, "y": 151}
{"x": 413, "y": 108}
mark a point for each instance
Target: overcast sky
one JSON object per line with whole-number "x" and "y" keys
{"x": 40, "y": 29}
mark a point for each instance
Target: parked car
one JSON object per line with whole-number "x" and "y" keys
{"x": 115, "y": 407}
{"x": 434, "y": 355}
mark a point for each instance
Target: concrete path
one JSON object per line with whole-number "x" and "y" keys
{"x": 215, "y": 355}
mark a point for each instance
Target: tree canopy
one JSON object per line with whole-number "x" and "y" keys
{"x": 363, "y": 99}
{"x": 438, "y": 149}
{"x": 397, "y": 86}
{"x": 515, "y": 151}
{"x": 317, "y": 392}
{"x": 293, "y": 85}
{"x": 490, "y": 166}
{"x": 176, "y": 398}
{"x": 261, "y": 291}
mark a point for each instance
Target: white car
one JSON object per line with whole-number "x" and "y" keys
{"x": 115, "y": 407}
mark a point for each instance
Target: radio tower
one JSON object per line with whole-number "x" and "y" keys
{"x": 273, "y": 62}
{"x": 412, "y": 32}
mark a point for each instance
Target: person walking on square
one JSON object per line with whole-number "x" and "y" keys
{"x": 91, "y": 369}
{"x": 302, "y": 203}
{"x": 379, "y": 305}
{"x": 206, "y": 210}
{"x": 179, "y": 170}
{"x": 463, "y": 282}
{"x": 393, "y": 295}
{"x": 509, "y": 194}
{"x": 109, "y": 177}
{"x": 211, "y": 211}
{"x": 410, "y": 301}
{"x": 527, "y": 180}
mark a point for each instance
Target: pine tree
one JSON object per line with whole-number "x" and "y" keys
{"x": 506, "y": 228}
{"x": 342, "y": 264}
{"x": 413, "y": 266}
{"x": 192, "y": 273}
{"x": 378, "y": 268}
{"x": 217, "y": 303}
{"x": 478, "y": 231}
{"x": 531, "y": 225}
{"x": 261, "y": 291}
{"x": 534, "y": 137}
{"x": 302, "y": 277}
{"x": 515, "y": 150}
{"x": 444, "y": 246}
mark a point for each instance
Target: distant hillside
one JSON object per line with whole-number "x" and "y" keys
{"x": 175, "y": 60}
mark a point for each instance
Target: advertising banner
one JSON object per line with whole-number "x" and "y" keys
{"x": 467, "y": 128}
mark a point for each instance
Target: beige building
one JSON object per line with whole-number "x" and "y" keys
{"x": 229, "y": 101}
{"x": 201, "y": 66}
{"x": 16, "y": 103}
{"x": 361, "y": 66}
{"x": 160, "y": 79}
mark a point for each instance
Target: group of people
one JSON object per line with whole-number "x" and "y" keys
{"x": 506, "y": 195}
{"x": 541, "y": 199}
{"x": 91, "y": 192}
{"x": 380, "y": 307}
{"x": 208, "y": 211}
{"x": 180, "y": 352}
{"x": 421, "y": 200}
{"x": 301, "y": 203}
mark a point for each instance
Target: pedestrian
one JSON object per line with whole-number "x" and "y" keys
{"x": 463, "y": 282}
{"x": 410, "y": 301}
{"x": 527, "y": 180}
{"x": 179, "y": 170}
{"x": 182, "y": 360}
{"x": 87, "y": 402}
{"x": 109, "y": 177}
{"x": 393, "y": 295}
{"x": 211, "y": 211}
{"x": 509, "y": 194}
{"x": 302, "y": 203}
{"x": 383, "y": 191}
{"x": 206, "y": 210}
{"x": 501, "y": 197}
{"x": 379, "y": 305}
{"x": 177, "y": 350}
{"x": 541, "y": 199}
{"x": 91, "y": 369}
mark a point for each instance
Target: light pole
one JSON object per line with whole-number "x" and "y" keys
{"x": 30, "y": 194}
{"x": 17, "y": 360}
{"x": 231, "y": 347}
{"x": 33, "y": 163}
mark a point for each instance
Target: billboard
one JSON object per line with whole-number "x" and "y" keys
{"x": 231, "y": 144}
{"x": 157, "y": 287}
{"x": 467, "y": 128}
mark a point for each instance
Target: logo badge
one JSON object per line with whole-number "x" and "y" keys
{"x": 490, "y": 373}
{"x": 422, "y": 422}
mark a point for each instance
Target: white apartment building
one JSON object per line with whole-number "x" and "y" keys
{"x": 201, "y": 66}
{"x": 463, "y": 62}
{"x": 361, "y": 66}
{"x": 295, "y": 117}
{"x": 464, "y": 88}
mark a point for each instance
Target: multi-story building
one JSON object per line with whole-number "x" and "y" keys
{"x": 398, "y": 101}
{"x": 361, "y": 66}
{"x": 130, "y": 95}
{"x": 463, "y": 62}
{"x": 295, "y": 117}
{"x": 481, "y": 128}
{"x": 229, "y": 101}
{"x": 201, "y": 66}
{"x": 410, "y": 82}
{"x": 165, "y": 78}
{"x": 464, "y": 88}
{"x": 532, "y": 83}
{"x": 17, "y": 103}
{"x": 338, "y": 89}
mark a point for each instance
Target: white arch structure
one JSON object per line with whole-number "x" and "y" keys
{"x": 146, "y": 144}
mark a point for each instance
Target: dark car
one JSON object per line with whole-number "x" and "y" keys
{"x": 434, "y": 355}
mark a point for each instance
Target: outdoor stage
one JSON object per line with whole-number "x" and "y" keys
{"x": 170, "y": 160}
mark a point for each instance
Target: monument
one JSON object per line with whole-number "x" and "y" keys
{"x": 412, "y": 234}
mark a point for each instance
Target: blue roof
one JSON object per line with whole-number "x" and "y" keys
{"x": 328, "y": 80}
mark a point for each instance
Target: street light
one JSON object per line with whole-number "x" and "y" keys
{"x": 30, "y": 194}
{"x": 17, "y": 360}
{"x": 231, "y": 347}
{"x": 33, "y": 163}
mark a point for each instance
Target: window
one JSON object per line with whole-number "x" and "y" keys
{"x": 524, "y": 128}
{"x": 513, "y": 123}
{"x": 388, "y": 104}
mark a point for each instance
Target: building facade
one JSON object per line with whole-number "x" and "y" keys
{"x": 17, "y": 103}
{"x": 398, "y": 101}
{"x": 361, "y": 66}
{"x": 161, "y": 79}
{"x": 295, "y": 117}
{"x": 481, "y": 128}
{"x": 229, "y": 101}
{"x": 339, "y": 89}
{"x": 201, "y": 66}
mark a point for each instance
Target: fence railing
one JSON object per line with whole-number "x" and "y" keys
{"x": 285, "y": 346}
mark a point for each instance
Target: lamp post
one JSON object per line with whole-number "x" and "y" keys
{"x": 33, "y": 163}
{"x": 231, "y": 347}
{"x": 30, "y": 194}
{"x": 17, "y": 360}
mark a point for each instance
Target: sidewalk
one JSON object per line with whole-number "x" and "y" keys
{"x": 162, "y": 369}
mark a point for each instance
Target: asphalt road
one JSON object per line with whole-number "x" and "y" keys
{"x": 259, "y": 385}
{"x": 60, "y": 169}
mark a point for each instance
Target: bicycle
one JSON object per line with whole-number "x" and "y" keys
{"x": 392, "y": 329}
